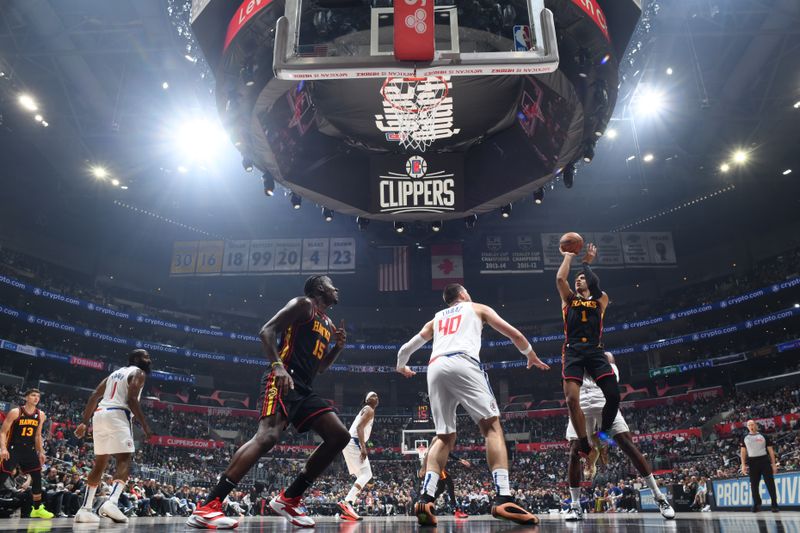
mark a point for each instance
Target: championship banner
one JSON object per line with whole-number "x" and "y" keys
{"x": 517, "y": 254}
{"x": 263, "y": 257}
{"x": 178, "y": 442}
{"x": 447, "y": 265}
{"x": 735, "y": 493}
{"x": 617, "y": 250}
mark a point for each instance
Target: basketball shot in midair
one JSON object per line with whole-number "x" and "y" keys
{"x": 582, "y": 353}
{"x": 455, "y": 378}
{"x": 356, "y": 455}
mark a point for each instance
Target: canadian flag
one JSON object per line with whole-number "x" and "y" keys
{"x": 447, "y": 265}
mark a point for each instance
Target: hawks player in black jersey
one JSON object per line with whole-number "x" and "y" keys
{"x": 287, "y": 397}
{"x": 21, "y": 447}
{"x": 583, "y": 352}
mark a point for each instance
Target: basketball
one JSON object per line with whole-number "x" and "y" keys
{"x": 571, "y": 242}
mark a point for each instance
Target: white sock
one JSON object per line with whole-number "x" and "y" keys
{"x": 429, "y": 483}
{"x": 575, "y": 494}
{"x": 500, "y": 477}
{"x": 351, "y": 496}
{"x": 651, "y": 483}
{"x": 88, "y": 499}
{"x": 116, "y": 490}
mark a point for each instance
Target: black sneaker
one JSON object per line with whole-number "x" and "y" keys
{"x": 775, "y": 509}
{"x": 756, "y": 508}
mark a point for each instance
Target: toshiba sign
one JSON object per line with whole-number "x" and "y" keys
{"x": 591, "y": 8}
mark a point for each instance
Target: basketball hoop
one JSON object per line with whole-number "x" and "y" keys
{"x": 414, "y": 101}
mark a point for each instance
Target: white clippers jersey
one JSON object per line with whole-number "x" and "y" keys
{"x": 116, "y": 394}
{"x": 591, "y": 395}
{"x": 367, "y": 428}
{"x": 457, "y": 329}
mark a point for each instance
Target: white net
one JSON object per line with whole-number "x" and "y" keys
{"x": 414, "y": 102}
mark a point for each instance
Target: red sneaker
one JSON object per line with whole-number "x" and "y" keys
{"x": 347, "y": 512}
{"x": 460, "y": 514}
{"x": 210, "y": 516}
{"x": 292, "y": 510}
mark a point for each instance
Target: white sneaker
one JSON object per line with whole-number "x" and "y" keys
{"x": 666, "y": 509}
{"x": 110, "y": 510}
{"x": 574, "y": 514}
{"x": 705, "y": 509}
{"x": 85, "y": 516}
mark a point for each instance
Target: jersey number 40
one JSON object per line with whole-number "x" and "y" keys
{"x": 450, "y": 325}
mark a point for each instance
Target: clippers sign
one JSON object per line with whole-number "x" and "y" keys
{"x": 416, "y": 184}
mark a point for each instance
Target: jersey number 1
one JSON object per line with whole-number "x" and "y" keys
{"x": 449, "y": 326}
{"x": 583, "y": 316}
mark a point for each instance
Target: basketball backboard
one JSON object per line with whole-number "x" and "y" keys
{"x": 325, "y": 39}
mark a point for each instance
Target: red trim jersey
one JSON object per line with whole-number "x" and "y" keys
{"x": 304, "y": 344}
{"x": 583, "y": 322}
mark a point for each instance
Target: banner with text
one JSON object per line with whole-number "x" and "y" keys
{"x": 264, "y": 257}
{"x": 178, "y": 442}
{"x": 735, "y": 493}
{"x": 618, "y": 250}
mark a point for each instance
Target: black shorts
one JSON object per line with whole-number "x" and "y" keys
{"x": 577, "y": 361}
{"x": 299, "y": 405}
{"x": 25, "y": 458}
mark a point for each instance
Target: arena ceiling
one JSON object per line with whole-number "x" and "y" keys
{"x": 96, "y": 70}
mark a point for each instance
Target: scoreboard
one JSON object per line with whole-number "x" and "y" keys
{"x": 264, "y": 257}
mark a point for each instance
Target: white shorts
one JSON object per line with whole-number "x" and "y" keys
{"x": 593, "y": 421}
{"x": 355, "y": 465}
{"x": 458, "y": 380}
{"x": 112, "y": 432}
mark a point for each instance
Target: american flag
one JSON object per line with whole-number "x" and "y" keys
{"x": 393, "y": 269}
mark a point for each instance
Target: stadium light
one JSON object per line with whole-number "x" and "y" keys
{"x": 38, "y": 118}
{"x": 327, "y": 214}
{"x": 247, "y": 164}
{"x": 505, "y": 211}
{"x": 648, "y": 158}
{"x": 436, "y": 226}
{"x": 797, "y": 105}
{"x": 631, "y": 158}
{"x": 296, "y": 201}
{"x": 669, "y": 71}
{"x": 569, "y": 176}
{"x": 124, "y": 188}
{"x": 588, "y": 153}
{"x": 787, "y": 172}
{"x": 399, "y": 227}
{"x": 611, "y": 133}
{"x": 165, "y": 86}
{"x": 269, "y": 183}
{"x": 199, "y": 140}
{"x": 740, "y": 157}
{"x": 99, "y": 172}
{"x": 724, "y": 167}
{"x": 538, "y": 196}
{"x": 27, "y": 102}
{"x": 470, "y": 221}
{"x": 248, "y": 75}
{"x": 115, "y": 182}
{"x": 648, "y": 102}
{"x": 362, "y": 222}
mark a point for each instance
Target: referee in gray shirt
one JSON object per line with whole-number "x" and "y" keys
{"x": 758, "y": 457}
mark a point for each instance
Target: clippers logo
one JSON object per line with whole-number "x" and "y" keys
{"x": 417, "y": 191}
{"x": 422, "y": 96}
{"x": 416, "y": 167}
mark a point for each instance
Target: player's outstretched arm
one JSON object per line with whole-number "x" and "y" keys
{"x": 91, "y": 405}
{"x": 406, "y": 350}
{"x": 592, "y": 281}
{"x": 11, "y": 417}
{"x": 297, "y": 310}
{"x": 562, "y": 276}
{"x": 496, "y": 322}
